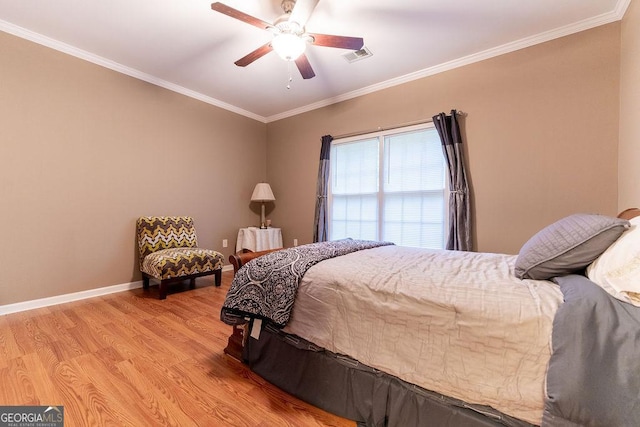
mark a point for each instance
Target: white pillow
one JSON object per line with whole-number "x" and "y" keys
{"x": 617, "y": 270}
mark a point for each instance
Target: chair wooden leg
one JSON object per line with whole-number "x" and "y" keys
{"x": 145, "y": 282}
{"x": 192, "y": 283}
{"x": 162, "y": 290}
{"x": 218, "y": 277}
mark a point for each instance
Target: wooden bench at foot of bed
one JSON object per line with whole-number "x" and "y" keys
{"x": 236, "y": 341}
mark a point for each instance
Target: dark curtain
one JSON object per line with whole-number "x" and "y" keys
{"x": 459, "y": 237}
{"x": 321, "y": 231}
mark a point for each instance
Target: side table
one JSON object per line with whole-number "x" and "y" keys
{"x": 258, "y": 239}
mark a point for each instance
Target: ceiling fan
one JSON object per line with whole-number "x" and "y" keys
{"x": 289, "y": 36}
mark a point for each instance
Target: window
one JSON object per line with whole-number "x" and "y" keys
{"x": 389, "y": 186}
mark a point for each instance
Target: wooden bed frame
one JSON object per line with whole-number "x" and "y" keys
{"x": 236, "y": 341}
{"x": 629, "y": 213}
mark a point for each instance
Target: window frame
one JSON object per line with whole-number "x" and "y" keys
{"x": 380, "y": 135}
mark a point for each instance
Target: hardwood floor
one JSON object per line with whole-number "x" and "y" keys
{"x": 129, "y": 359}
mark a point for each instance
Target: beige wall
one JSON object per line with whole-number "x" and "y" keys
{"x": 629, "y": 148}
{"x": 86, "y": 150}
{"x": 541, "y": 135}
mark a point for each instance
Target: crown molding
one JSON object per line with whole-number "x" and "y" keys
{"x": 10, "y": 28}
{"x": 587, "y": 24}
{"x": 606, "y": 18}
{"x": 621, "y": 8}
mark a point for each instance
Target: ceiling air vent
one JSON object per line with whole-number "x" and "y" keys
{"x": 357, "y": 55}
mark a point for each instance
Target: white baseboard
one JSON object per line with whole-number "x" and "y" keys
{"x": 61, "y": 299}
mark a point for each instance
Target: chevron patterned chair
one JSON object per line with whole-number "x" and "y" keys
{"x": 169, "y": 252}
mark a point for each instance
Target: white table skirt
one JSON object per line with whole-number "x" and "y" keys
{"x": 259, "y": 239}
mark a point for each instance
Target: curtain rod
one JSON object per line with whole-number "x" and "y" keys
{"x": 380, "y": 129}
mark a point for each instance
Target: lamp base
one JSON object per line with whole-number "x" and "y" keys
{"x": 262, "y": 216}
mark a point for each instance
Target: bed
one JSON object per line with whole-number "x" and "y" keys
{"x": 389, "y": 335}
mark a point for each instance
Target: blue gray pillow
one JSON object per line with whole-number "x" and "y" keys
{"x": 568, "y": 245}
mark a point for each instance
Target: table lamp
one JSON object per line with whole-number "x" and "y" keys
{"x": 262, "y": 193}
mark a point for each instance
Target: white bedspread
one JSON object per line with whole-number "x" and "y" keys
{"x": 457, "y": 323}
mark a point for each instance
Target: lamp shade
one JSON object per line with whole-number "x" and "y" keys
{"x": 262, "y": 193}
{"x": 289, "y": 46}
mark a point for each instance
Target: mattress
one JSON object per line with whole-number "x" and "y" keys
{"x": 457, "y": 323}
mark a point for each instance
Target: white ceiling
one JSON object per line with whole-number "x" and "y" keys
{"x": 187, "y": 47}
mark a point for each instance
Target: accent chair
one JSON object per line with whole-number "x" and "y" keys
{"x": 169, "y": 252}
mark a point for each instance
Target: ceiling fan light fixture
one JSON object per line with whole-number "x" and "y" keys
{"x": 289, "y": 46}
{"x": 290, "y": 38}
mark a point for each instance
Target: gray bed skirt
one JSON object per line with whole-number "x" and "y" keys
{"x": 347, "y": 388}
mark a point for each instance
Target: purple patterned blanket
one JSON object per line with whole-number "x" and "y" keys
{"x": 266, "y": 286}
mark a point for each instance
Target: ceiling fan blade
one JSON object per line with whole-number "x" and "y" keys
{"x": 343, "y": 42}
{"x": 302, "y": 11}
{"x": 241, "y": 16}
{"x": 256, "y": 54}
{"x": 305, "y": 67}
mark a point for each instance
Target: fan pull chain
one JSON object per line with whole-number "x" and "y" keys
{"x": 290, "y": 77}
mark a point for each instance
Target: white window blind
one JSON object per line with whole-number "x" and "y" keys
{"x": 389, "y": 186}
